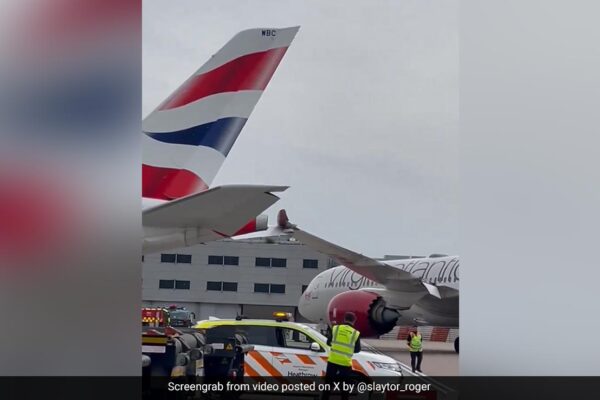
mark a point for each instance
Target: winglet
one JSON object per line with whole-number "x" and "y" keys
{"x": 283, "y": 221}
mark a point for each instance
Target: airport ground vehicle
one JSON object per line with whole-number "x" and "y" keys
{"x": 289, "y": 349}
{"x": 155, "y": 316}
{"x": 172, "y": 316}
{"x": 169, "y": 348}
{"x": 180, "y": 317}
{"x": 188, "y": 356}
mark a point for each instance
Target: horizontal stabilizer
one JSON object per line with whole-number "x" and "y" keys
{"x": 223, "y": 209}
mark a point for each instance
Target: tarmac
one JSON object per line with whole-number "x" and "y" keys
{"x": 439, "y": 358}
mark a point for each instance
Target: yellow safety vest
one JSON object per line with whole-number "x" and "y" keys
{"x": 415, "y": 343}
{"x": 343, "y": 340}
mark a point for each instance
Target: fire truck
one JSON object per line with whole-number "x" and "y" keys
{"x": 167, "y": 316}
{"x": 155, "y": 317}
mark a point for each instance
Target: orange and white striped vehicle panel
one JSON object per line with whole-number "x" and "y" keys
{"x": 259, "y": 364}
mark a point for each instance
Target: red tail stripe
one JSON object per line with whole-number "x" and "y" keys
{"x": 249, "y": 72}
{"x": 169, "y": 183}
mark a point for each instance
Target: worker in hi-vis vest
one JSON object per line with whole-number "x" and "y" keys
{"x": 415, "y": 346}
{"x": 343, "y": 344}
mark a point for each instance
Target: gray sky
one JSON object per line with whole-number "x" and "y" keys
{"x": 360, "y": 119}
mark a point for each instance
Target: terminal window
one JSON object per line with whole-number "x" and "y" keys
{"x": 166, "y": 284}
{"x": 263, "y": 262}
{"x": 184, "y": 258}
{"x": 167, "y": 258}
{"x": 310, "y": 263}
{"x": 229, "y": 260}
{"x": 185, "y": 285}
{"x": 230, "y": 286}
{"x": 268, "y": 288}
{"x": 215, "y": 260}
{"x": 271, "y": 262}
{"x": 277, "y": 288}
{"x": 215, "y": 286}
{"x": 278, "y": 262}
{"x": 261, "y": 288}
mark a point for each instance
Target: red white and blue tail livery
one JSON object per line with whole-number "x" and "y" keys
{"x": 187, "y": 138}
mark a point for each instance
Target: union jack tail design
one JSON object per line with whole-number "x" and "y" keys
{"x": 187, "y": 138}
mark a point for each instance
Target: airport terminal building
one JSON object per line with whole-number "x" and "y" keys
{"x": 227, "y": 278}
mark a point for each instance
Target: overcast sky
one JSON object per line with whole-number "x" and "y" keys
{"x": 360, "y": 119}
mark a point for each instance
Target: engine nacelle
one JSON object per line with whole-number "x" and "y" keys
{"x": 373, "y": 318}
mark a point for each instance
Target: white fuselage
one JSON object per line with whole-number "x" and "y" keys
{"x": 442, "y": 272}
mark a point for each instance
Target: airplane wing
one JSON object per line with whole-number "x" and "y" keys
{"x": 375, "y": 270}
{"x": 222, "y": 209}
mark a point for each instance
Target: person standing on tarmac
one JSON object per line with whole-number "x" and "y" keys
{"x": 415, "y": 346}
{"x": 343, "y": 342}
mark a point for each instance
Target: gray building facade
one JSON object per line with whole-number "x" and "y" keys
{"x": 227, "y": 278}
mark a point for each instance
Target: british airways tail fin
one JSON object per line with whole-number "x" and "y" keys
{"x": 187, "y": 138}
